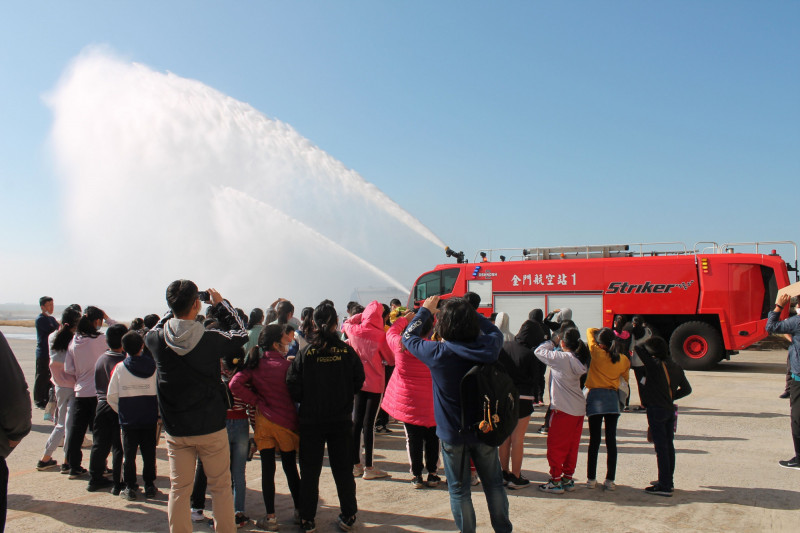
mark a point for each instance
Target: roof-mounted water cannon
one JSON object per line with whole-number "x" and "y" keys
{"x": 458, "y": 255}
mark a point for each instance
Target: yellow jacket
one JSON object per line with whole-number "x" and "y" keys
{"x": 603, "y": 374}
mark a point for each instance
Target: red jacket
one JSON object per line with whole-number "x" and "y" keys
{"x": 267, "y": 390}
{"x": 366, "y": 335}
{"x": 409, "y": 394}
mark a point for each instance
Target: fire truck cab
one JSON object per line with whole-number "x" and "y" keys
{"x": 706, "y": 303}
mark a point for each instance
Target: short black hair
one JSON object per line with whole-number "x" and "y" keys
{"x": 44, "y": 299}
{"x": 458, "y": 321}
{"x": 132, "y": 343}
{"x": 151, "y": 320}
{"x": 396, "y": 302}
{"x": 657, "y": 347}
{"x": 114, "y": 335}
{"x": 571, "y": 338}
{"x": 473, "y": 298}
{"x": 181, "y": 295}
{"x": 137, "y": 323}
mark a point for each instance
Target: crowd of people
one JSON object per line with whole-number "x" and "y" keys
{"x": 298, "y": 385}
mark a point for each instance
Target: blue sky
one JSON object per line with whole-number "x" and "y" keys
{"x": 497, "y": 124}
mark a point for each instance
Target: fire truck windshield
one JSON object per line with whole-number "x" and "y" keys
{"x": 439, "y": 282}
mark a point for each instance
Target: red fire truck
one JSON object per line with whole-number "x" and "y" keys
{"x": 707, "y": 302}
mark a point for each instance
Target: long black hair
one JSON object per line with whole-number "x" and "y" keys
{"x": 284, "y": 309}
{"x": 608, "y": 343}
{"x": 306, "y": 321}
{"x": 269, "y": 335}
{"x": 69, "y": 321}
{"x": 256, "y": 316}
{"x": 325, "y": 321}
{"x": 86, "y": 324}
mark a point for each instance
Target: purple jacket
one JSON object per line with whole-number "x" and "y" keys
{"x": 265, "y": 387}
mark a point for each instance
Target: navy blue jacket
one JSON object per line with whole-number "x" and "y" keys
{"x": 449, "y": 361}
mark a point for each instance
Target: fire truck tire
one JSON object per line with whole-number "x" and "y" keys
{"x": 696, "y": 346}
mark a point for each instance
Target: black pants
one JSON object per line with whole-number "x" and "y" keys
{"x": 41, "y": 382}
{"x": 289, "y": 462}
{"x": 419, "y": 440}
{"x": 85, "y": 409}
{"x": 199, "y": 488}
{"x": 106, "y": 437}
{"x": 383, "y": 417}
{"x": 539, "y": 370}
{"x": 312, "y": 448}
{"x": 595, "y": 426}
{"x": 662, "y": 428}
{"x": 794, "y": 402}
{"x": 143, "y": 439}
{"x": 3, "y": 493}
{"x": 365, "y": 408}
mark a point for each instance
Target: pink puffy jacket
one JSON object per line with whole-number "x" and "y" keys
{"x": 409, "y": 394}
{"x": 366, "y": 335}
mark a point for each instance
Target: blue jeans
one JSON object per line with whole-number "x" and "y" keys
{"x": 239, "y": 440}
{"x": 487, "y": 463}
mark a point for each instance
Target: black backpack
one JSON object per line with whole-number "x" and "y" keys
{"x": 489, "y": 403}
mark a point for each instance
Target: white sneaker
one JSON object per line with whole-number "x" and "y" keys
{"x": 609, "y": 485}
{"x": 358, "y": 470}
{"x": 198, "y": 516}
{"x": 591, "y": 483}
{"x": 267, "y": 524}
{"x": 474, "y": 479}
{"x": 371, "y": 472}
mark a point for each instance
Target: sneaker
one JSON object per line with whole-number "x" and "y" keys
{"x": 46, "y": 465}
{"x": 358, "y": 470}
{"x": 346, "y": 523}
{"x": 198, "y": 516}
{"x": 76, "y": 473}
{"x": 417, "y": 482}
{"x": 65, "y": 468}
{"x": 99, "y": 484}
{"x": 474, "y": 480}
{"x": 308, "y": 526}
{"x": 609, "y": 485}
{"x": 591, "y": 483}
{"x": 515, "y": 482}
{"x": 117, "y": 489}
{"x": 433, "y": 480}
{"x": 553, "y": 487}
{"x": 543, "y": 430}
{"x": 150, "y": 491}
{"x": 658, "y": 491}
{"x": 242, "y": 520}
{"x": 267, "y": 524}
{"x": 128, "y": 494}
{"x": 568, "y": 484}
{"x": 371, "y": 472}
{"x": 791, "y": 463}
{"x": 784, "y": 395}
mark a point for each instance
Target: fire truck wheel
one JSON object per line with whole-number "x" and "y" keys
{"x": 696, "y": 346}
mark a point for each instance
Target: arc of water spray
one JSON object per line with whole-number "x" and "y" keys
{"x": 344, "y": 251}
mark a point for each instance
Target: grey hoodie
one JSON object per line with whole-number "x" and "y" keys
{"x": 183, "y": 335}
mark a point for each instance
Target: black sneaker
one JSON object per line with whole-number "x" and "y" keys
{"x": 241, "y": 520}
{"x": 515, "y": 482}
{"x": 46, "y": 465}
{"x": 117, "y": 489}
{"x": 347, "y": 523}
{"x": 433, "y": 480}
{"x": 150, "y": 491}
{"x": 99, "y": 484}
{"x": 65, "y": 468}
{"x": 784, "y": 395}
{"x": 659, "y": 491}
{"x": 128, "y": 494}
{"x": 76, "y": 473}
{"x": 506, "y": 477}
{"x": 417, "y": 482}
{"x": 791, "y": 463}
{"x": 309, "y": 526}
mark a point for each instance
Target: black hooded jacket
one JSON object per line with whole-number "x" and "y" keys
{"x": 517, "y": 356}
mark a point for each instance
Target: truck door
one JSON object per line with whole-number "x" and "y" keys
{"x": 587, "y": 309}
{"x": 517, "y": 307}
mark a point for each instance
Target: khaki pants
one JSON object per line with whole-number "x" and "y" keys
{"x": 183, "y": 452}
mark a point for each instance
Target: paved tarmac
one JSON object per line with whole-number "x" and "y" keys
{"x": 731, "y": 433}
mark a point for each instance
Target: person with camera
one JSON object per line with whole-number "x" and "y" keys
{"x": 193, "y": 400}
{"x": 468, "y": 338}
